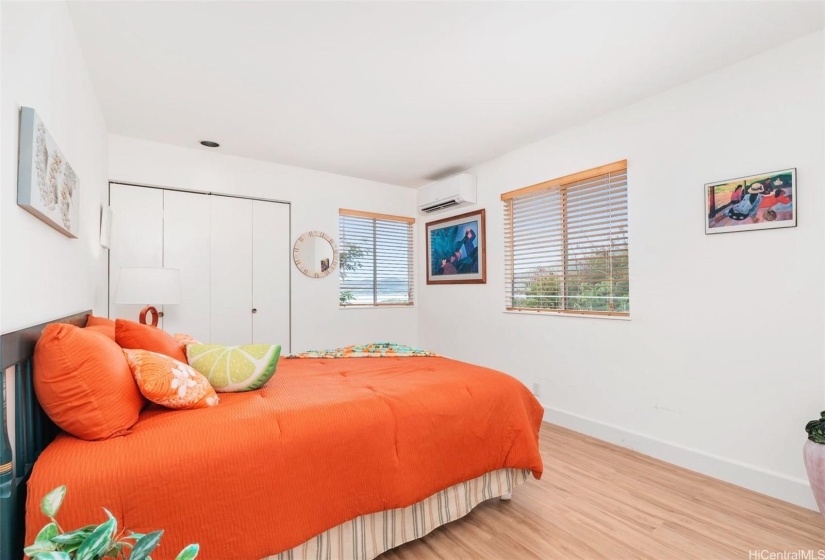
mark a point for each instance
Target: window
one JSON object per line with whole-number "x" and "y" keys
{"x": 566, "y": 244}
{"x": 376, "y": 259}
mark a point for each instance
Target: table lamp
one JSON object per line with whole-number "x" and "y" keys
{"x": 148, "y": 287}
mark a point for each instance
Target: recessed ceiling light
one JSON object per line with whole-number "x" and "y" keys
{"x": 209, "y": 144}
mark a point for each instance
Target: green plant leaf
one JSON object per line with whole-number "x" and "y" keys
{"x": 40, "y": 547}
{"x": 51, "y": 502}
{"x": 145, "y": 545}
{"x": 112, "y": 519}
{"x": 72, "y": 537}
{"x": 189, "y": 552}
{"x": 97, "y": 542}
{"x": 53, "y": 555}
{"x": 71, "y": 547}
{"x": 816, "y": 430}
{"x": 135, "y": 536}
{"x": 47, "y": 533}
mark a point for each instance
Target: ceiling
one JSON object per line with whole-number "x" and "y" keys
{"x": 402, "y": 92}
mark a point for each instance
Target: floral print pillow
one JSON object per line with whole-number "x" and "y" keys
{"x": 168, "y": 382}
{"x": 185, "y": 340}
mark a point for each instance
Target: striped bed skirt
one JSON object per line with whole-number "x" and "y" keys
{"x": 368, "y": 536}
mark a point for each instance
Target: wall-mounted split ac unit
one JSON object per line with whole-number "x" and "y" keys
{"x": 452, "y": 192}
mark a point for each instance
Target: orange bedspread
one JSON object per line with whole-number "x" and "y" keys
{"x": 323, "y": 442}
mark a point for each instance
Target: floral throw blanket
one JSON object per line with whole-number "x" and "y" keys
{"x": 372, "y": 350}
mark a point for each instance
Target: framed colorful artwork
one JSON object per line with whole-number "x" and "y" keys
{"x": 764, "y": 201}
{"x": 457, "y": 250}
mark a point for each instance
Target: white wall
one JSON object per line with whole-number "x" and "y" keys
{"x": 46, "y": 275}
{"x": 317, "y": 322}
{"x": 721, "y": 364}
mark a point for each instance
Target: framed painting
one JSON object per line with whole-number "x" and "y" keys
{"x": 46, "y": 184}
{"x": 457, "y": 250}
{"x": 764, "y": 201}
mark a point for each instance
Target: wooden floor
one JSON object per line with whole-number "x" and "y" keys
{"x": 597, "y": 500}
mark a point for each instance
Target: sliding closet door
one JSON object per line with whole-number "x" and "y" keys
{"x": 231, "y": 270}
{"x": 137, "y": 238}
{"x": 233, "y": 254}
{"x": 270, "y": 273}
{"x": 187, "y": 247}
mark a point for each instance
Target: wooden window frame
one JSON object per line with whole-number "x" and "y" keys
{"x": 389, "y": 218}
{"x": 561, "y": 184}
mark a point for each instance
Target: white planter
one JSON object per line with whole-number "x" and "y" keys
{"x": 815, "y": 465}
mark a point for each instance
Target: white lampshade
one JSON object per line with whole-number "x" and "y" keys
{"x": 148, "y": 286}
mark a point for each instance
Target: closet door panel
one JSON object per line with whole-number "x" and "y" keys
{"x": 231, "y": 270}
{"x": 271, "y": 258}
{"x": 137, "y": 238}
{"x": 187, "y": 247}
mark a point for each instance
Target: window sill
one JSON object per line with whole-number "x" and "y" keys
{"x": 578, "y": 315}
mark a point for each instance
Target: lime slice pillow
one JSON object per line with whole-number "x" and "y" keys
{"x": 233, "y": 369}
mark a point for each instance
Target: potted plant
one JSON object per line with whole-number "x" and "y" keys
{"x": 93, "y": 542}
{"x": 814, "y": 452}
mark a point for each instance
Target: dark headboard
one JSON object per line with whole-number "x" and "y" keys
{"x": 32, "y": 428}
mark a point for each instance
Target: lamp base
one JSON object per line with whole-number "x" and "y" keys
{"x": 149, "y": 310}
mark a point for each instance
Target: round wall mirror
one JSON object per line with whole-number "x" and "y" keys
{"x": 315, "y": 254}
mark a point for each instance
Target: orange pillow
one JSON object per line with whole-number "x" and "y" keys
{"x": 101, "y": 324}
{"x": 83, "y": 382}
{"x": 168, "y": 382}
{"x": 136, "y": 336}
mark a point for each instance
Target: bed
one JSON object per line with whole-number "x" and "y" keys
{"x": 333, "y": 458}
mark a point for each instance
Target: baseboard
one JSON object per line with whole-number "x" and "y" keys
{"x": 790, "y": 489}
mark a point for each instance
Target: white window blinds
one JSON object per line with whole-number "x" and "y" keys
{"x": 376, "y": 259}
{"x": 566, "y": 244}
